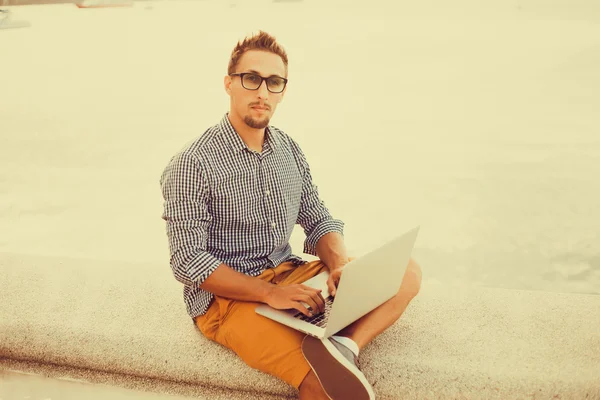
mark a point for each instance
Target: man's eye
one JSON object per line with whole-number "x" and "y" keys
{"x": 275, "y": 81}
{"x": 253, "y": 78}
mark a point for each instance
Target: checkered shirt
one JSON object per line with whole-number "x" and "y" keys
{"x": 224, "y": 203}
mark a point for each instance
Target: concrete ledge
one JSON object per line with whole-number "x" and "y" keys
{"x": 59, "y": 382}
{"x": 128, "y": 319}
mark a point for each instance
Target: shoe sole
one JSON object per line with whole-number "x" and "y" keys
{"x": 339, "y": 378}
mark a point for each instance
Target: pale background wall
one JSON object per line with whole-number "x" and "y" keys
{"x": 477, "y": 121}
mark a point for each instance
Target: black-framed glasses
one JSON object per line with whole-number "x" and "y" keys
{"x": 252, "y": 81}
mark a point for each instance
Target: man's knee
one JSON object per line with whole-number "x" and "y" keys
{"x": 411, "y": 283}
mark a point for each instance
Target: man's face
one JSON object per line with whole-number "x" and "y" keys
{"x": 255, "y": 107}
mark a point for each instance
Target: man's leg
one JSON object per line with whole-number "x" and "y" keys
{"x": 262, "y": 343}
{"x": 365, "y": 329}
{"x": 336, "y": 365}
{"x": 311, "y": 388}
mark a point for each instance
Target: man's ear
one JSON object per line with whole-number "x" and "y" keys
{"x": 227, "y": 84}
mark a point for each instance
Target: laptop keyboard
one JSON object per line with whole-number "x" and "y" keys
{"x": 319, "y": 320}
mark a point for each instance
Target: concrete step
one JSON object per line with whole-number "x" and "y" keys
{"x": 34, "y": 381}
{"x": 129, "y": 319}
{"x": 19, "y": 385}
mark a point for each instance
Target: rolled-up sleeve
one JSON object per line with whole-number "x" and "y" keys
{"x": 314, "y": 216}
{"x": 185, "y": 193}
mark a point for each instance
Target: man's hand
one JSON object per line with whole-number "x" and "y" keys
{"x": 335, "y": 273}
{"x": 292, "y": 297}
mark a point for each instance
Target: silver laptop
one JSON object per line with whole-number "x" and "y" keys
{"x": 366, "y": 283}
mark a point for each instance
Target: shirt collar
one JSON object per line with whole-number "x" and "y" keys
{"x": 236, "y": 142}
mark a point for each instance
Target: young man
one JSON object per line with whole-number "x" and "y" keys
{"x": 231, "y": 200}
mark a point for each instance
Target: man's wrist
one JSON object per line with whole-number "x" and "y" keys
{"x": 332, "y": 250}
{"x": 266, "y": 292}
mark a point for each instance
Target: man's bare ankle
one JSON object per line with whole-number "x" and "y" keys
{"x": 311, "y": 388}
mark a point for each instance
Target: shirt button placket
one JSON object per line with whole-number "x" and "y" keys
{"x": 266, "y": 199}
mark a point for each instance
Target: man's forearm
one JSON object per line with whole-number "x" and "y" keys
{"x": 226, "y": 282}
{"x": 332, "y": 250}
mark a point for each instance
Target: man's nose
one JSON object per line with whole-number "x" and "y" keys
{"x": 263, "y": 92}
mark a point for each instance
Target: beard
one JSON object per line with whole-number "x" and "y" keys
{"x": 256, "y": 123}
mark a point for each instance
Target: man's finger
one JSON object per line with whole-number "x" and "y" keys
{"x": 314, "y": 307}
{"x": 300, "y": 307}
{"x": 336, "y": 277}
{"x": 319, "y": 300}
{"x": 331, "y": 284}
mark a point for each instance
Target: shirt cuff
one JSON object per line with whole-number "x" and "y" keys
{"x": 323, "y": 228}
{"x": 200, "y": 267}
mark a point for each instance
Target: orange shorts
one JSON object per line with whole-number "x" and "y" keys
{"x": 261, "y": 343}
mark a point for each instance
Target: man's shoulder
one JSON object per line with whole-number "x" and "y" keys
{"x": 199, "y": 147}
{"x": 287, "y": 140}
{"x": 193, "y": 155}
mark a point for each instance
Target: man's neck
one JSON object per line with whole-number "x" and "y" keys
{"x": 254, "y": 138}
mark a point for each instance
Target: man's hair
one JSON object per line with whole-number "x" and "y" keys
{"x": 261, "y": 41}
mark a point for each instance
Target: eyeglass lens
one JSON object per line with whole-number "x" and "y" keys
{"x": 253, "y": 81}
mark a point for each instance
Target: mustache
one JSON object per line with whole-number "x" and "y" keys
{"x": 268, "y": 107}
